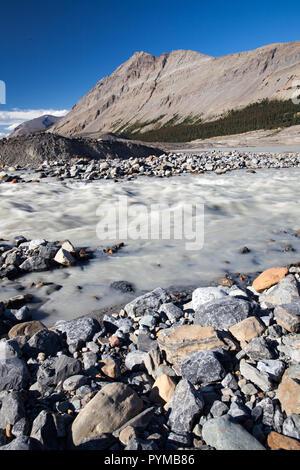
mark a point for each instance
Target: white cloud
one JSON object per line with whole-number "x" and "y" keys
{"x": 12, "y": 119}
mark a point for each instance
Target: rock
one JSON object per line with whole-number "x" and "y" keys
{"x": 273, "y": 368}
{"x": 135, "y": 360}
{"x": 147, "y": 304}
{"x": 25, "y": 329}
{"x": 140, "y": 421}
{"x": 238, "y": 411}
{"x": 67, "y": 246}
{"x": 163, "y": 389}
{"x": 141, "y": 444}
{"x": 23, "y": 443}
{"x": 74, "y": 382}
{"x": 44, "y": 430}
{"x": 127, "y": 434}
{"x": 172, "y": 312}
{"x": 284, "y": 293}
{"x": 247, "y": 329}
{"x": 203, "y": 295}
{"x": 123, "y": 286}
{"x": 224, "y": 433}
{"x": 269, "y": 278}
{"x": 152, "y": 361}
{"x": 218, "y": 409}
{"x": 221, "y": 314}
{"x": 203, "y": 367}
{"x": 45, "y": 341}
{"x": 34, "y": 264}
{"x": 291, "y": 346}
{"x": 110, "y": 368}
{"x": 291, "y": 426}
{"x": 12, "y": 409}
{"x": 64, "y": 258}
{"x": 113, "y": 406}
{"x": 179, "y": 343}
{"x": 186, "y": 406}
{"x": 66, "y": 367}
{"x": 145, "y": 343}
{"x": 258, "y": 349}
{"x": 288, "y": 316}
{"x": 288, "y": 391}
{"x": 230, "y": 381}
{"x": 100, "y": 442}
{"x": 14, "y": 374}
{"x": 278, "y": 441}
{"x": 78, "y": 332}
{"x": 258, "y": 378}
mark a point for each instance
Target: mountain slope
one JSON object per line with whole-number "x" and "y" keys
{"x": 35, "y": 125}
{"x": 148, "y": 92}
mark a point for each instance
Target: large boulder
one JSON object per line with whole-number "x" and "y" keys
{"x": 113, "y": 406}
{"x": 203, "y": 367}
{"x": 284, "y": 293}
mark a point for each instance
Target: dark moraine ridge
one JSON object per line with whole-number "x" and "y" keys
{"x": 35, "y": 148}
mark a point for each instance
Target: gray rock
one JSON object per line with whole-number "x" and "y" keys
{"x": 258, "y": 378}
{"x": 202, "y": 367}
{"x": 218, "y": 409}
{"x": 273, "y": 368}
{"x": 66, "y": 367}
{"x": 221, "y": 314}
{"x": 14, "y": 374}
{"x": 147, "y": 304}
{"x": 288, "y": 316}
{"x": 12, "y": 409}
{"x": 290, "y": 346}
{"x": 145, "y": 342}
{"x": 291, "y": 426}
{"x": 267, "y": 414}
{"x": 74, "y": 382}
{"x": 186, "y": 406}
{"x": 135, "y": 359}
{"x": 148, "y": 320}
{"x": 44, "y": 430}
{"x": 35, "y": 264}
{"x": 45, "y": 341}
{"x": 23, "y": 443}
{"x": 258, "y": 349}
{"x": 21, "y": 428}
{"x": 172, "y": 312}
{"x": 89, "y": 360}
{"x": 230, "y": 382}
{"x": 141, "y": 444}
{"x": 285, "y": 292}
{"x": 224, "y": 434}
{"x": 78, "y": 332}
{"x": 202, "y": 295}
{"x": 238, "y": 411}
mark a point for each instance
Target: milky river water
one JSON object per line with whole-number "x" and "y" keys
{"x": 240, "y": 209}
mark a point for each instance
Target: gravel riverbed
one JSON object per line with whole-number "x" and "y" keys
{"x": 210, "y": 367}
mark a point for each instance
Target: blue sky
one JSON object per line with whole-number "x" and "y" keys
{"x": 53, "y": 52}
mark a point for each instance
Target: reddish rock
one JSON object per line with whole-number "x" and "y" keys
{"x": 278, "y": 441}
{"x": 269, "y": 278}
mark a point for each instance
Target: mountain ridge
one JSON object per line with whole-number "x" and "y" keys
{"x": 147, "y": 91}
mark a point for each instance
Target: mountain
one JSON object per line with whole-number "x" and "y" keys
{"x": 34, "y": 125}
{"x": 149, "y": 92}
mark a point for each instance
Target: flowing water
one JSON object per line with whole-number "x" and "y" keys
{"x": 240, "y": 209}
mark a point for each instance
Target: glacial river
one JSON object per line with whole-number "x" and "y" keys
{"x": 260, "y": 211}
